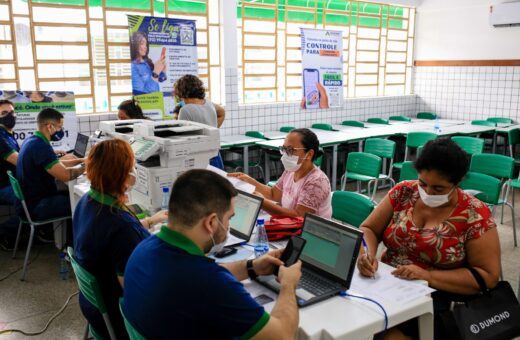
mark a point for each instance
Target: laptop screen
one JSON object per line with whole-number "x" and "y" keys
{"x": 331, "y": 246}
{"x": 81, "y": 145}
{"x": 247, "y": 207}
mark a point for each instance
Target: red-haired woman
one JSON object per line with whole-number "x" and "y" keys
{"x": 106, "y": 231}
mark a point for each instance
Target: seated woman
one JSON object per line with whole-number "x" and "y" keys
{"x": 106, "y": 231}
{"x": 303, "y": 187}
{"x": 433, "y": 231}
{"x": 130, "y": 109}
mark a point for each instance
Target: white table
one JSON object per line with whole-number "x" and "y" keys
{"x": 241, "y": 141}
{"x": 275, "y": 134}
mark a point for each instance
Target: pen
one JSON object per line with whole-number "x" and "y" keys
{"x": 365, "y": 247}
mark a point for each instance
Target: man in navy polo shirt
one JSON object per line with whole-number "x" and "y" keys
{"x": 173, "y": 291}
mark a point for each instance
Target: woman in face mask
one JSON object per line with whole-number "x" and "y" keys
{"x": 303, "y": 187}
{"x": 432, "y": 231}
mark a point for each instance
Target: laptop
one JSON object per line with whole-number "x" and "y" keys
{"x": 328, "y": 260}
{"x": 247, "y": 208}
{"x": 81, "y": 146}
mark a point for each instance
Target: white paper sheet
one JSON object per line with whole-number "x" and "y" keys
{"x": 238, "y": 184}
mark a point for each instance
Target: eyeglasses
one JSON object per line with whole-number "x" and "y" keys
{"x": 289, "y": 150}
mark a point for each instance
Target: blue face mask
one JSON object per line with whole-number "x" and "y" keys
{"x": 58, "y": 135}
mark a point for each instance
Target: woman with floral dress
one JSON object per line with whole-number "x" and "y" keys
{"x": 433, "y": 231}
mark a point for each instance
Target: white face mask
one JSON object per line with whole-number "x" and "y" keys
{"x": 217, "y": 247}
{"x": 434, "y": 201}
{"x": 290, "y": 163}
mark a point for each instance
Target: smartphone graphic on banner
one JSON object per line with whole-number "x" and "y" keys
{"x": 311, "y": 77}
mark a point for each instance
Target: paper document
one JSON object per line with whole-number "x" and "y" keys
{"x": 386, "y": 287}
{"x": 238, "y": 184}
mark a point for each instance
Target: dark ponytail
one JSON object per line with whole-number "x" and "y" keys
{"x": 132, "y": 109}
{"x": 309, "y": 141}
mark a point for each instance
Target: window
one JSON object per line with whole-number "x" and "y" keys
{"x": 377, "y": 46}
{"x": 83, "y": 46}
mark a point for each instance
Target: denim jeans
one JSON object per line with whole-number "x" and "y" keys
{"x": 7, "y": 195}
{"x": 50, "y": 207}
{"x": 217, "y": 162}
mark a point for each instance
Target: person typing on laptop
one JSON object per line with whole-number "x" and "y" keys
{"x": 172, "y": 290}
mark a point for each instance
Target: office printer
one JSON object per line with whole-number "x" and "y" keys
{"x": 122, "y": 129}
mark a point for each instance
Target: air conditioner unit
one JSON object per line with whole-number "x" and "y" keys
{"x": 505, "y": 15}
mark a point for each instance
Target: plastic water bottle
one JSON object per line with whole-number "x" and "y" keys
{"x": 64, "y": 267}
{"x": 165, "y": 198}
{"x": 437, "y": 126}
{"x": 262, "y": 243}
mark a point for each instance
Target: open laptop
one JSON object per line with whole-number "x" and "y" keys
{"x": 247, "y": 208}
{"x": 81, "y": 146}
{"x": 328, "y": 260}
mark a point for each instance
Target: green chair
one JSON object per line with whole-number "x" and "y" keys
{"x": 503, "y": 120}
{"x": 132, "y": 332}
{"x": 486, "y": 188}
{"x": 89, "y": 287}
{"x": 378, "y": 121}
{"x": 470, "y": 145}
{"x": 237, "y": 165}
{"x": 322, "y": 126}
{"x": 415, "y": 140}
{"x": 351, "y": 207}
{"x": 287, "y": 129}
{"x": 408, "y": 172}
{"x": 513, "y": 138}
{"x": 483, "y": 123}
{"x": 426, "y": 115}
{"x": 385, "y": 149}
{"x": 400, "y": 118}
{"x": 355, "y": 123}
{"x": 28, "y": 220}
{"x": 362, "y": 167}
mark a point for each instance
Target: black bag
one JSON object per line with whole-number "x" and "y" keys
{"x": 493, "y": 314}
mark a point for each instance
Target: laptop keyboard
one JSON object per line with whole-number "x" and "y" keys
{"x": 315, "y": 284}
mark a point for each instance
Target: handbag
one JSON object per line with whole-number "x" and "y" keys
{"x": 280, "y": 227}
{"x": 492, "y": 314}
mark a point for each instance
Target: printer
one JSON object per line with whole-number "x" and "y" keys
{"x": 122, "y": 129}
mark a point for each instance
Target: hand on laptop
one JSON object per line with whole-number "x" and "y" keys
{"x": 264, "y": 265}
{"x": 367, "y": 265}
{"x": 290, "y": 276}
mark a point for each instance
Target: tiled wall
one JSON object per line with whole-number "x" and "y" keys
{"x": 468, "y": 92}
{"x": 90, "y": 123}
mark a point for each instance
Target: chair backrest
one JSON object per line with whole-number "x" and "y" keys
{"x": 378, "y": 121}
{"x": 322, "y": 126}
{"x": 16, "y": 186}
{"x": 408, "y": 172}
{"x": 488, "y": 186}
{"x": 500, "y": 119}
{"x": 355, "y": 123}
{"x": 483, "y": 122}
{"x": 132, "y": 332}
{"x": 471, "y": 145}
{"x": 426, "y": 115}
{"x": 498, "y": 166}
{"x": 401, "y": 118}
{"x": 384, "y": 148}
{"x": 318, "y": 161}
{"x": 255, "y": 134}
{"x": 513, "y": 137}
{"x": 417, "y": 139}
{"x": 287, "y": 129}
{"x": 351, "y": 207}
{"x": 364, "y": 163}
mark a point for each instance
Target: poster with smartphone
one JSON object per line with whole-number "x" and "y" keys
{"x": 27, "y": 105}
{"x": 161, "y": 51}
{"x": 322, "y": 68}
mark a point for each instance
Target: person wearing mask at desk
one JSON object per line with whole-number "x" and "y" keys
{"x": 130, "y": 109}
{"x": 106, "y": 231}
{"x": 172, "y": 290}
{"x": 433, "y": 231}
{"x": 303, "y": 187}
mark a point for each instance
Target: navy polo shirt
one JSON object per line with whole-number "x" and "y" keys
{"x": 8, "y": 145}
{"x": 173, "y": 291}
{"x": 35, "y": 158}
{"x": 105, "y": 234}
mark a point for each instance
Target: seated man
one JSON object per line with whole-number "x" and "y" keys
{"x": 173, "y": 291}
{"x": 38, "y": 167}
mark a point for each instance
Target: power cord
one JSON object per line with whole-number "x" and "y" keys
{"x": 5, "y": 331}
{"x": 345, "y": 294}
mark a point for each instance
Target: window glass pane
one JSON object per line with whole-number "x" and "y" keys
{"x": 7, "y": 71}
{"x": 63, "y": 15}
{"x": 57, "y": 52}
{"x": 43, "y": 33}
{"x": 63, "y": 70}
{"x": 79, "y": 87}
{"x": 6, "y": 52}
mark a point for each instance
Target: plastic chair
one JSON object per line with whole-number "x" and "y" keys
{"x": 401, "y": 118}
{"x": 27, "y": 220}
{"x": 503, "y": 120}
{"x": 237, "y": 165}
{"x": 322, "y": 126}
{"x": 385, "y": 149}
{"x": 408, "y": 172}
{"x": 378, "y": 121}
{"x": 426, "y": 115}
{"x": 362, "y": 167}
{"x": 355, "y": 123}
{"x": 351, "y": 207}
{"x": 483, "y": 123}
{"x": 470, "y": 145}
{"x": 488, "y": 187}
{"x": 513, "y": 138}
{"x": 415, "y": 140}
{"x": 287, "y": 129}
{"x": 132, "y": 332}
{"x": 89, "y": 287}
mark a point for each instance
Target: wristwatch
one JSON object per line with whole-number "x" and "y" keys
{"x": 155, "y": 75}
{"x": 250, "y": 270}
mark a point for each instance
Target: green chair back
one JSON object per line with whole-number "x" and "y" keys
{"x": 322, "y": 126}
{"x": 287, "y": 129}
{"x": 498, "y": 166}
{"x": 378, "y": 121}
{"x": 401, "y": 118}
{"x": 16, "y": 186}
{"x": 505, "y": 120}
{"x": 426, "y": 115}
{"x": 513, "y": 137}
{"x": 364, "y": 163}
{"x": 488, "y": 186}
{"x": 318, "y": 161}
{"x": 408, "y": 172}
{"x": 132, "y": 332}
{"x": 471, "y": 145}
{"x": 351, "y": 207}
{"x": 384, "y": 148}
{"x": 255, "y": 134}
{"x": 355, "y": 123}
{"x": 483, "y": 122}
{"x": 417, "y": 139}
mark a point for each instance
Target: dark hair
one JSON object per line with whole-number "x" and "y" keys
{"x": 134, "y": 48}
{"x": 309, "y": 141}
{"x": 444, "y": 156}
{"x": 196, "y": 194}
{"x": 48, "y": 114}
{"x": 189, "y": 86}
{"x": 132, "y": 109}
{"x": 5, "y": 101}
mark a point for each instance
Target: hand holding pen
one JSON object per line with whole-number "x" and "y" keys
{"x": 367, "y": 264}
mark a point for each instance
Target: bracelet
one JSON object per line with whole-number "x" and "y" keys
{"x": 250, "y": 270}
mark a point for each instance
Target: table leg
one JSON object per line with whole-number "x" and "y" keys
{"x": 267, "y": 169}
{"x": 334, "y": 166}
{"x": 426, "y": 326}
{"x": 246, "y": 160}
{"x": 494, "y": 142}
